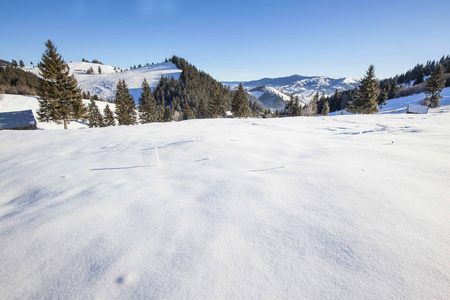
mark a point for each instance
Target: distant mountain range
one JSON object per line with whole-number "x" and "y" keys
{"x": 274, "y": 92}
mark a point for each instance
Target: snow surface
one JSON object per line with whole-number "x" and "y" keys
{"x": 19, "y": 102}
{"x": 347, "y": 207}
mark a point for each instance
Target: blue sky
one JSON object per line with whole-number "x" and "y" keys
{"x": 234, "y": 40}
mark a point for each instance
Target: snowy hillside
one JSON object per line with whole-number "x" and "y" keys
{"x": 343, "y": 207}
{"x": 18, "y": 102}
{"x": 104, "y": 84}
{"x": 302, "y": 86}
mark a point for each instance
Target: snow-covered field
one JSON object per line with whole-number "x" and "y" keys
{"x": 338, "y": 207}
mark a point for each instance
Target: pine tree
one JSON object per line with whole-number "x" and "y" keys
{"x": 420, "y": 75}
{"x": 239, "y": 106}
{"x": 435, "y": 84}
{"x": 216, "y": 102}
{"x": 14, "y": 63}
{"x": 90, "y": 70}
{"x": 99, "y": 70}
{"x": 383, "y": 98}
{"x": 326, "y": 109}
{"x": 108, "y": 119}
{"x": 289, "y": 107}
{"x": 202, "y": 111}
{"x": 147, "y": 104}
{"x": 125, "y": 106}
{"x": 95, "y": 118}
{"x": 367, "y": 93}
{"x": 21, "y": 63}
{"x": 58, "y": 94}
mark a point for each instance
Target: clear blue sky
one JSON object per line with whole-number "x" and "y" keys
{"x": 233, "y": 40}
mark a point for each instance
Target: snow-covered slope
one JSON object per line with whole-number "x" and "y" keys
{"x": 303, "y": 86}
{"x": 104, "y": 85}
{"x": 19, "y": 102}
{"x": 344, "y": 207}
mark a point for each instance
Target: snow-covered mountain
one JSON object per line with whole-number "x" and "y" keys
{"x": 302, "y": 86}
{"x": 104, "y": 84}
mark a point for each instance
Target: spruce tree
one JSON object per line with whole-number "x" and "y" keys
{"x": 297, "y": 109}
{"x": 435, "y": 84}
{"x": 147, "y": 104}
{"x": 167, "y": 114}
{"x": 239, "y": 105}
{"x": 21, "y": 63}
{"x": 289, "y": 107}
{"x": 187, "y": 112}
{"x": 108, "y": 118}
{"x": 95, "y": 118}
{"x": 58, "y": 94}
{"x": 367, "y": 93}
{"x": 216, "y": 102}
{"x": 90, "y": 70}
{"x": 125, "y": 106}
{"x": 99, "y": 70}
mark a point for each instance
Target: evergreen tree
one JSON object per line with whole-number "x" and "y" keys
{"x": 187, "y": 112}
{"x": 420, "y": 75}
{"x": 108, "y": 119}
{"x": 326, "y": 109}
{"x": 367, "y": 93}
{"x": 58, "y": 94}
{"x": 90, "y": 70}
{"x": 240, "y": 106}
{"x": 297, "y": 109}
{"x": 202, "y": 111}
{"x": 434, "y": 85}
{"x": 125, "y": 106}
{"x": 289, "y": 107}
{"x": 147, "y": 104}
{"x": 383, "y": 98}
{"x": 21, "y": 64}
{"x": 14, "y": 63}
{"x": 167, "y": 114}
{"x": 99, "y": 70}
{"x": 95, "y": 118}
{"x": 216, "y": 102}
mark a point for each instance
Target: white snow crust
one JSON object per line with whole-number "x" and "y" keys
{"x": 337, "y": 207}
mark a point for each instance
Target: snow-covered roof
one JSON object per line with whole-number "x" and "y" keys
{"x": 17, "y": 119}
{"x": 416, "y": 109}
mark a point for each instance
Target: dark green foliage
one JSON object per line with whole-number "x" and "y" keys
{"x": 58, "y": 94}
{"x": 95, "y": 118}
{"x": 167, "y": 114}
{"x": 293, "y": 108}
{"x": 21, "y": 63}
{"x": 108, "y": 117}
{"x": 367, "y": 93}
{"x": 326, "y": 109}
{"x": 193, "y": 87}
{"x": 216, "y": 102}
{"x": 160, "y": 112}
{"x": 16, "y": 81}
{"x": 99, "y": 70}
{"x": 187, "y": 112}
{"x": 147, "y": 104}
{"x": 14, "y": 63}
{"x": 434, "y": 85}
{"x": 420, "y": 75}
{"x": 239, "y": 106}
{"x": 382, "y": 99}
{"x": 125, "y": 106}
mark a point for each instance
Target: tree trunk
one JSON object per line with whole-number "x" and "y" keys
{"x": 65, "y": 123}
